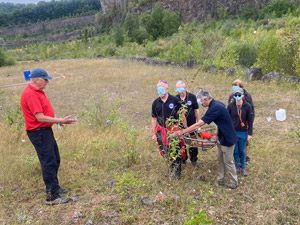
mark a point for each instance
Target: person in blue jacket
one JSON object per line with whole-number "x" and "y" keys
{"x": 226, "y": 135}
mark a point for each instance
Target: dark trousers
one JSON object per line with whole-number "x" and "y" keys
{"x": 175, "y": 163}
{"x": 193, "y": 154}
{"x": 48, "y": 154}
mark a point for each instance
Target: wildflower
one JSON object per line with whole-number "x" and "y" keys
{"x": 107, "y": 121}
{"x": 147, "y": 128}
{"x": 15, "y": 102}
{"x": 137, "y": 112}
{"x": 297, "y": 102}
{"x": 297, "y": 117}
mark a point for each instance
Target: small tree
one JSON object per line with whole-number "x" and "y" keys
{"x": 171, "y": 23}
{"x": 118, "y": 36}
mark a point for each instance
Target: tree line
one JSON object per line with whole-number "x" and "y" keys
{"x": 21, "y": 14}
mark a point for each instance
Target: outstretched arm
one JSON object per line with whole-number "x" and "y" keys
{"x": 47, "y": 119}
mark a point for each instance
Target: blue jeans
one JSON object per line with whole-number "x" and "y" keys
{"x": 240, "y": 150}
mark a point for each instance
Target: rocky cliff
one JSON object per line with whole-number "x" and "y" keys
{"x": 188, "y": 9}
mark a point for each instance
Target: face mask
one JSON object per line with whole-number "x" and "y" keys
{"x": 238, "y": 97}
{"x": 179, "y": 90}
{"x": 199, "y": 101}
{"x": 161, "y": 90}
{"x": 234, "y": 88}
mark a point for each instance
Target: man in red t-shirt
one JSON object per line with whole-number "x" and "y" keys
{"x": 39, "y": 118}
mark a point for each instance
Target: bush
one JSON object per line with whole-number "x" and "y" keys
{"x": 118, "y": 36}
{"x": 196, "y": 49}
{"x": 269, "y": 51}
{"x": 227, "y": 56}
{"x": 179, "y": 52}
{"x": 297, "y": 62}
{"x": 247, "y": 54}
{"x": 5, "y": 60}
{"x": 153, "y": 49}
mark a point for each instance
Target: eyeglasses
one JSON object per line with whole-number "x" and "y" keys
{"x": 162, "y": 81}
{"x": 237, "y": 95}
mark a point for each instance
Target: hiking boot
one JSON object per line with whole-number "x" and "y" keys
{"x": 57, "y": 200}
{"x": 62, "y": 190}
{"x": 238, "y": 170}
{"x": 177, "y": 176}
{"x": 247, "y": 159}
{"x": 244, "y": 172}
{"x": 232, "y": 186}
{"x": 194, "y": 164}
{"x": 219, "y": 182}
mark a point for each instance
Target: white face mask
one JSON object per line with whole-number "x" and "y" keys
{"x": 199, "y": 101}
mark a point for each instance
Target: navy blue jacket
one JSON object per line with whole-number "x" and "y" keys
{"x": 218, "y": 114}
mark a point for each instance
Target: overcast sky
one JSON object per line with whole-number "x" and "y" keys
{"x": 23, "y": 1}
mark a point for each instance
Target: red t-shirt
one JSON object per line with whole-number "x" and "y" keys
{"x": 34, "y": 101}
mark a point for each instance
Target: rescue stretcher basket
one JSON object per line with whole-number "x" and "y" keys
{"x": 198, "y": 139}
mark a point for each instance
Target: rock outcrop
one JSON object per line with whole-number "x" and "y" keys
{"x": 188, "y": 9}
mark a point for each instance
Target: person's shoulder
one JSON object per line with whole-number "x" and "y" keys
{"x": 191, "y": 95}
{"x": 231, "y": 104}
{"x": 246, "y": 104}
{"x": 173, "y": 98}
{"x": 217, "y": 103}
{"x": 155, "y": 101}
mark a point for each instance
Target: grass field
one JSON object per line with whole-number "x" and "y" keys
{"x": 114, "y": 172}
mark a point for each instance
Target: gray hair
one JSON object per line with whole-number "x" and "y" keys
{"x": 180, "y": 82}
{"x": 164, "y": 82}
{"x": 204, "y": 94}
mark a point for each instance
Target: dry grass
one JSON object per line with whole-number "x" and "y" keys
{"x": 92, "y": 157}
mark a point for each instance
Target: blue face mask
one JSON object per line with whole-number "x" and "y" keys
{"x": 237, "y": 97}
{"x": 180, "y": 90}
{"x": 199, "y": 101}
{"x": 234, "y": 88}
{"x": 161, "y": 90}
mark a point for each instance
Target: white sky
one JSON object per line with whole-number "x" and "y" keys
{"x": 23, "y": 1}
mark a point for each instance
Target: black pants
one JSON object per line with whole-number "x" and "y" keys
{"x": 48, "y": 154}
{"x": 175, "y": 163}
{"x": 193, "y": 154}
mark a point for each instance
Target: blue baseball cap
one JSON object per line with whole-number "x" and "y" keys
{"x": 39, "y": 73}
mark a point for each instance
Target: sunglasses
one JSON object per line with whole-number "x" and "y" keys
{"x": 237, "y": 95}
{"x": 162, "y": 81}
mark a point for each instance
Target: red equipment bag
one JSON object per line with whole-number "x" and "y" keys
{"x": 164, "y": 135}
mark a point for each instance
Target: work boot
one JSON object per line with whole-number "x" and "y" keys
{"x": 55, "y": 199}
{"x": 219, "y": 182}
{"x": 232, "y": 186}
{"x": 62, "y": 190}
{"x": 247, "y": 159}
{"x": 194, "y": 163}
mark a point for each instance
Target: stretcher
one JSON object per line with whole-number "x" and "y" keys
{"x": 202, "y": 138}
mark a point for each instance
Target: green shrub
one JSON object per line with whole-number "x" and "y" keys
{"x": 247, "y": 54}
{"x": 5, "y": 60}
{"x": 153, "y": 49}
{"x": 118, "y": 36}
{"x": 179, "y": 52}
{"x": 196, "y": 217}
{"x": 227, "y": 56}
{"x": 277, "y": 8}
{"x": 297, "y": 62}
{"x": 197, "y": 49}
{"x": 269, "y": 51}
